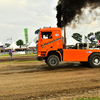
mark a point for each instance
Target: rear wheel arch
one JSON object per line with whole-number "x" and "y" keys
{"x": 92, "y": 54}
{"x": 54, "y": 53}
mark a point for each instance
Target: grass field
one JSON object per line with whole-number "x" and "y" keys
{"x": 19, "y": 55}
{"x": 88, "y": 99}
{"x": 18, "y": 58}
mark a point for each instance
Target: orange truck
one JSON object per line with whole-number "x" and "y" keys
{"x": 50, "y": 48}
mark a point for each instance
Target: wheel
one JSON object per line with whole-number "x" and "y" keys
{"x": 94, "y": 60}
{"x": 53, "y": 61}
{"x": 84, "y": 63}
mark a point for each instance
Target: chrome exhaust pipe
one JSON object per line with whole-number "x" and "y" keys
{"x": 64, "y": 37}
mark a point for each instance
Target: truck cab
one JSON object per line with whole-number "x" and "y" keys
{"x": 50, "y": 39}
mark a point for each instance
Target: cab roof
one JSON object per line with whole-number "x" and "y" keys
{"x": 51, "y": 29}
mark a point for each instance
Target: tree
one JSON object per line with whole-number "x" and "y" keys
{"x": 86, "y": 39}
{"x": 7, "y": 44}
{"x": 90, "y": 34}
{"x": 19, "y": 42}
{"x": 77, "y": 37}
{"x": 97, "y": 35}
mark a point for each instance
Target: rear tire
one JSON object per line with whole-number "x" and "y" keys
{"x": 53, "y": 61}
{"x": 94, "y": 60}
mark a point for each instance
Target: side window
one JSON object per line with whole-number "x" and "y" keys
{"x": 46, "y": 35}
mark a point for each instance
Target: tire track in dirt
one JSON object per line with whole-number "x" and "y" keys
{"x": 39, "y": 66}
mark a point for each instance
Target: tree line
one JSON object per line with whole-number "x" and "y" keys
{"x": 78, "y": 36}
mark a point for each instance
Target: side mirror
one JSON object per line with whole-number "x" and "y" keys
{"x": 36, "y": 41}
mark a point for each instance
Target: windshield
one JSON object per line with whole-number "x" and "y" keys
{"x": 46, "y": 35}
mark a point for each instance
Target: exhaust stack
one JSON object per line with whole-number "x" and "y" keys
{"x": 64, "y": 37}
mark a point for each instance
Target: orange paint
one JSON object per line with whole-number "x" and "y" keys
{"x": 77, "y": 54}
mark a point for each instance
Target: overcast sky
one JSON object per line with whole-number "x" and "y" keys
{"x": 15, "y": 15}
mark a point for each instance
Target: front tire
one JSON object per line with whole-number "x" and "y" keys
{"x": 94, "y": 60}
{"x": 53, "y": 61}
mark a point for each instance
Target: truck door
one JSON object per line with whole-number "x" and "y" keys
{"x": 46, "y": 40}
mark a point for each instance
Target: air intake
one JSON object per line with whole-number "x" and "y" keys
{"x": 83, "y": 46}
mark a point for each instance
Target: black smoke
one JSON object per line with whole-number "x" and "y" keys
{"x": 68, "y": 9}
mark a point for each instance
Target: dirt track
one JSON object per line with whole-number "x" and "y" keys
{"x": 35, "y": 80}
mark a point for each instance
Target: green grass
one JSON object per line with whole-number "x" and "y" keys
{"x": 19, "y": 55}
{"x": 19, "y": 62}
{"x": 7, "y": 55}
{"x": 4, "y": 55}
{"x": 88, "y": 98}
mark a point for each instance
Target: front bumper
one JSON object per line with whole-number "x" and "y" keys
{"x": 40, "y": 58}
